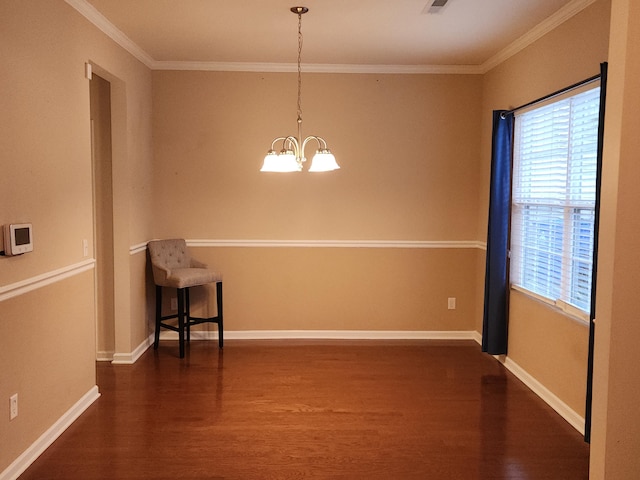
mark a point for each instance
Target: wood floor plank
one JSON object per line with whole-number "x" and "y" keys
{"x": 305, "y": 409}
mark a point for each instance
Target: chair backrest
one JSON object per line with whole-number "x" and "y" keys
{"x": 169, "y": 254}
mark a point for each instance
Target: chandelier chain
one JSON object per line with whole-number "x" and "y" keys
{"x": 299, "y": 68}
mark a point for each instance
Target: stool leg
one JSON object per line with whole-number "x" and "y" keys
{"x": 158, "y": 316}
{"x": 188, "y": 315}
{"x": 219, "y": 302}
{"x": 181, "y": 320}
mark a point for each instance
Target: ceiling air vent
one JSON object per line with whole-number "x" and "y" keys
{"x": 434, "y": 6}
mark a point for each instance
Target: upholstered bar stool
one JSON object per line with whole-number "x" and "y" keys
{"x": 173, "y": 267}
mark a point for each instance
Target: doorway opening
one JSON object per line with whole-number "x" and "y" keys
{"x": 101, "y": 147}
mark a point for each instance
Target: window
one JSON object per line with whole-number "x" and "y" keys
{"x": 553, "y": 201}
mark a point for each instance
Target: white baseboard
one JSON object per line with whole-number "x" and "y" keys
{"x": 104, "y": 356}
{"x": 131, "y": 358}
{"x": 20, "y": 464}
{"x": 566, "y": 412}
{"x": 326, "y": 335}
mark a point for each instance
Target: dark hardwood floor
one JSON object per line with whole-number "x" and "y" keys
{"x": 326, "y": 410}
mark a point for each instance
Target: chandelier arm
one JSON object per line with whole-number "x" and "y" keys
{"x": 275, "y": 140}
{"x": 292, "y": 141}
{"x": 306, "y": 140}
{"x": 322, "y": 145}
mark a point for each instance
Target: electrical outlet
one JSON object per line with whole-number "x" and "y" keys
{"x": 13, "y": 402}
{"x": 174, "y": 303}
{"x": 451, "y": 303}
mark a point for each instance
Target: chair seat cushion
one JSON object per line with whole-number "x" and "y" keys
{"x": 190, "y": 277}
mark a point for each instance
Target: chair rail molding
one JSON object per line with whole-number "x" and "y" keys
{"x": 265, "y": 243}
{"x": 39, "y": 281}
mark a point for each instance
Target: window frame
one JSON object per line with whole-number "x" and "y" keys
{"x": 570, "y": 225}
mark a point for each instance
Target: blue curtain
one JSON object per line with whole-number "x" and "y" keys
{"x": 495, "y": 320}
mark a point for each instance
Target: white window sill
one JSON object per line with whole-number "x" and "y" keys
{"x": 562, "y": 307}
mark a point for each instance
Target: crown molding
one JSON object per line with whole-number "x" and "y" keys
{"x": 565, "y": 13}
{"x": 94, "y": 16}
{"x": 317, "y": 68}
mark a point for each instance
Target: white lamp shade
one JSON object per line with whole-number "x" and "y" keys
{"x": 283, "y": 162}
{"x": 323, "y": 161}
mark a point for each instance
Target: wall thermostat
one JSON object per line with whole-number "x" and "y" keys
{"x": 18, "y": 238}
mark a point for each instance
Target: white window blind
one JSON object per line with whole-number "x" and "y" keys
{"x": 553, "y": 200}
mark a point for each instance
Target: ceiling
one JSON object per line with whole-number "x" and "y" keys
{"x": 374, "y": 34}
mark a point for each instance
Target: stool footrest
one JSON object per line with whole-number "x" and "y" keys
{"x": 197, "y": 320}
{"x": 170, "y": 327}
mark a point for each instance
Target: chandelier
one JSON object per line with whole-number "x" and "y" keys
{"x": 291, "y": 155}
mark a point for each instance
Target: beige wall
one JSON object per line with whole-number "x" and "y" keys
{"x": 47, "y": 335}
{"x": 407, "y": 146}
{"x": 44, "y": 147}
{"x": 616, "y": 422}
{"x": 549, "y": 345}
{"x": 47, "y": 358}
{"x": 142, "y": 306}
{"x": 408, "y": 150}
{"x": 345, "y": 288}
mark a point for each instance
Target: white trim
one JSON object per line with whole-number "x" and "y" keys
{"x": 33, "y": 283}
{"x": 336, "y": 243}
{"x": 20, "y": 464}
{"x": 566, "y": 412}
{"x": 139, "y": 248}
{"x": 318, "y": 68}
{"x": 131, "y": 358}
{"x": 104, "y": 356}
{"x": 562, "y": 15}
{"x": 104, "y": 25}
{"x": 326, "y": 335}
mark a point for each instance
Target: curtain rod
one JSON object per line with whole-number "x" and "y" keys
{"x": 554, "y": 94}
